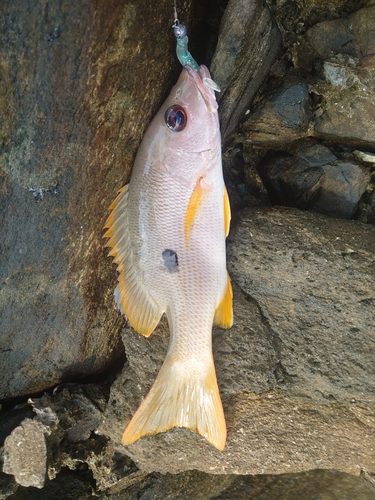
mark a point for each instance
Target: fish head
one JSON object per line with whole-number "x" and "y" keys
{"x": 185, "y": 133}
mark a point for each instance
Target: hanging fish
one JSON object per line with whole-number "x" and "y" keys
{"x": 167, "y": 231}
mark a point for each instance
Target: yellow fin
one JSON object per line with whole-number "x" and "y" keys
{"x": 195, "y": 203}
{"x": 224, "y": 311}
{"x": 184, "y": 394}
{"x": 132, "y": 296}
{"x": 227, "y": 213}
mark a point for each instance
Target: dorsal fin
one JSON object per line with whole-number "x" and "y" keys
{"x": 132, "y": 295}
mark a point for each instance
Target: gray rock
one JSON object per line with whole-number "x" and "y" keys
{"x": 311, "y": 176}
{"x": 296, "y": 370}
{"x": 25, "y": 454}
{"x": 291, "y": 180}
{"x": 249, "y": 42}
{"x": 281, "y": 118}
{"x": 325, "y": 485}
{"x": 342, "y": 187}
{"x": 352, "y": 35}
{"x": 346, "y": 89}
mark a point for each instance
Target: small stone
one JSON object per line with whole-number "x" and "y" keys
{"x": 25, "y": 454}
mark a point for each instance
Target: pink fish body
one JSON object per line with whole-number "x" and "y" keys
{"x": 167, "y": 232}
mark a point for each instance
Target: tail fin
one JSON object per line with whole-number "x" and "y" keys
{"x": 183, "y": 395}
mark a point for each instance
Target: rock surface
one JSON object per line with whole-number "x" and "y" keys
{"x": 296, "y": 370}
{"x": 347, "y": 45}
{"x": 310, "y": 176}
{"x": 249, "y": 42}
{"x": 80, "y": 84}
{"x": 284, "y": 117}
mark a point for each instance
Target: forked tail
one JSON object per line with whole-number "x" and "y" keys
{"x": 185, "y": 394}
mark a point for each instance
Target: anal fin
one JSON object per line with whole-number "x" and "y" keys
{"x": 132, "y": 295}
{"x": 224, "y": 311}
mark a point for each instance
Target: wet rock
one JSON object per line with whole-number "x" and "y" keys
{"x": 281, "y": 118}
{"x": 249, "y": 42}
{"x": 311, "y": 176}
{"x": 295, "y": 371}
{"x": 79, "y": 85}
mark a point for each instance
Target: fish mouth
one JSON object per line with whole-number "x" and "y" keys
{"x": 205, "y": 86}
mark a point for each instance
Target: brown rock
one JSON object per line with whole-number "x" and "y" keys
{"x": 296, "y": 370}
{"x": 249, "y": 42}
{"x": 352, "y": 35}
{"x": 79, "y": 84}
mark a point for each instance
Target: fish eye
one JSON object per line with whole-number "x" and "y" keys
{"x": 175, "y": 118}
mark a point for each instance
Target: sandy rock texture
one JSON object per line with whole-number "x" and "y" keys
{"x": 296, "y": 370}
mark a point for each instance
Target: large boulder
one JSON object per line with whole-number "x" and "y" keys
{"x": 79, "y": 85}
{"x": 296, "y": 370}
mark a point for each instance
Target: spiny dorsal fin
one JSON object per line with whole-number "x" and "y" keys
{"x": 134, "y": 298}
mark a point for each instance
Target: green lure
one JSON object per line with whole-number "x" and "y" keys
{"x": 183, "y": 54}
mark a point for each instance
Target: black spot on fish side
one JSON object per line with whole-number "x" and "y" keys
{"x": 170, "y": 260}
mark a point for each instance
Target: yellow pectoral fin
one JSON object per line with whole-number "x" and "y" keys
{"x": 224, "y": 311}
{"x": 227, "y": 214}
{"x": 194, "y": 205}
{"x": 133, "y": 297}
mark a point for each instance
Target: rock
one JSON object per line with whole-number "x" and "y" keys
{"x": 325, "y": 485}
{"x": 283, "y": 117}
{"x": 290, "y": 180}
{"x": 249, "y": 42}
{"x": 347, "y": 90}
{"x": 295, "y": 371}
{"x": 311, "y": 176}
{"x": 343, "y": 186}
{"x": 25, "y": 454}
{"x": 352, "y": 35}
{"x": 79, "y": 85}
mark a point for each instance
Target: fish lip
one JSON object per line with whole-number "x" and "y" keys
{"x": 207, "y": 93}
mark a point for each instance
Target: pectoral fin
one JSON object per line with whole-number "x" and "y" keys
{"x": 194, "y": 205}
{"x": 132, "y": 295}
{"x": 224, "y": 311}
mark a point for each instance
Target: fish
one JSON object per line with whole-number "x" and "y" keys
{"x": 166, "y": 232}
